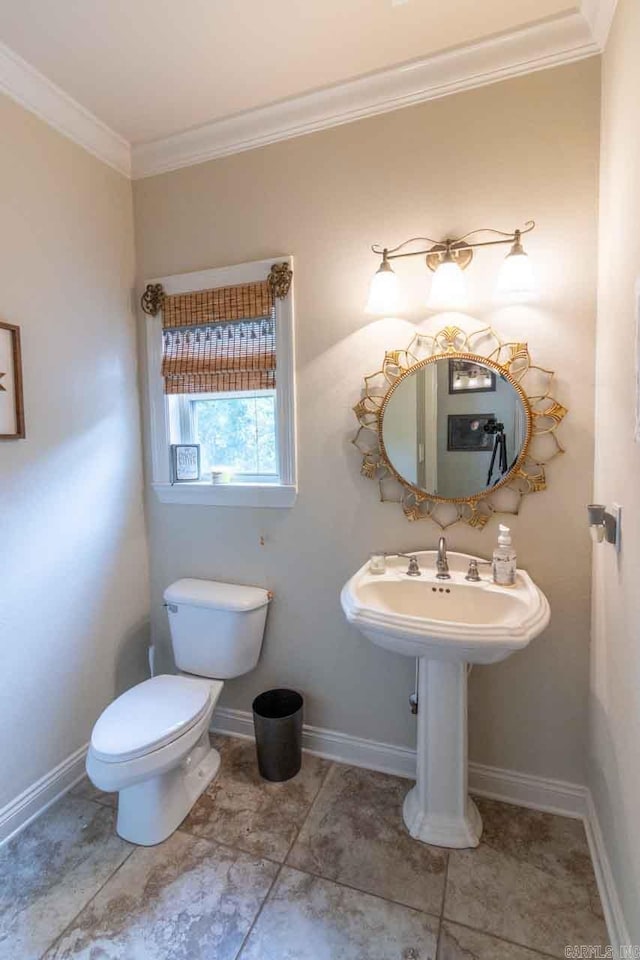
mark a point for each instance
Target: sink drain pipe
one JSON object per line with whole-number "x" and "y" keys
{"x": 413, "y": 699}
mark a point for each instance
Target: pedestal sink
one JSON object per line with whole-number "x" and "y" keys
{"x": 447, "y": 625}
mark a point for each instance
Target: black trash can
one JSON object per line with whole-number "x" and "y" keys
{"x": 277, "y": 720}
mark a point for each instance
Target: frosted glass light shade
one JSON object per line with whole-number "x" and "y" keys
{"x": 448, "y": 288}
{"x": 516, "y": 276}
{"x": 383, "y": 293}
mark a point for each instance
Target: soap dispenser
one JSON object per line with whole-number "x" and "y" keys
{"x": 504, "y": 559}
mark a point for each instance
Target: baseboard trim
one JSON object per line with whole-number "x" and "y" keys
{"x": 496, "y": 783}
{"x": 37, "y": 798}
{"x": 525, "y": 790}
{"x": 329, "y": 744}
{"x": 510, "y": 786}
{"x": 611, "y": 904}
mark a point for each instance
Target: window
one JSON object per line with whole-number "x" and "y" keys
{"x": 236, "y": 432}
{"x": 220, "y": 362}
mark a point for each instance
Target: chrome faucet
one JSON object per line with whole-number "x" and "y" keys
{"x": 414, "y": 570}
{"x": 442, "y": 564}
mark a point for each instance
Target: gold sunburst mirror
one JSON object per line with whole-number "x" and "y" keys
{"x": 458, "y": 426}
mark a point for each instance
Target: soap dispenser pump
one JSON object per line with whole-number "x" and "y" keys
{"x": 504, "y": 559}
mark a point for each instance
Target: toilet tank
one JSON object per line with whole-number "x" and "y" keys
{"x": 216, "y": 628}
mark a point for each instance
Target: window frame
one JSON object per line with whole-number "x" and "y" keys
{"x": 184, "y": 416}
{"x": 251, "y": 493}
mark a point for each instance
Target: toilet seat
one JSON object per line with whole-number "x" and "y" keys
{"x": 150, "y": 716}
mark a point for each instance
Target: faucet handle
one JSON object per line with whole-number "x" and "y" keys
{"x": 472, "y": 572}
{"x": 414, "y": 568}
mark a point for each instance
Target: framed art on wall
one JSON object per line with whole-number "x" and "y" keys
{"x": 11, "y": 398}
{"x": 468, "y": 432}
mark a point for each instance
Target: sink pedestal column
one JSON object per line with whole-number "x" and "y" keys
{"x": 438, "y": 809}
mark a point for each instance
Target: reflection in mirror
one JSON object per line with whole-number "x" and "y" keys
{"x": 454, "y": 427}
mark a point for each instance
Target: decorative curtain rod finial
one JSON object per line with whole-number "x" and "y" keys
{"x": 280, "y": 277}
{"x": 152, "y": 299}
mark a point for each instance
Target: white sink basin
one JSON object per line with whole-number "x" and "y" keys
{"x": 444, "y": 619}
{"x": 446, "y": 624}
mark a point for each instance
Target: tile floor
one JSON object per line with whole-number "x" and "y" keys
{"x": 318, "y": 868}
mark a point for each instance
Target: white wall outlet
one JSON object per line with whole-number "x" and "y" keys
{"x": 616, "y": 512}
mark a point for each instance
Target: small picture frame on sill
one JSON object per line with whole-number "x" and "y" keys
{"x": 185, "y": 462}
{"x": 11, "y": 397}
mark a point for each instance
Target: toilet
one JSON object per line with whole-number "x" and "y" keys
{"x": 151, "y": 745}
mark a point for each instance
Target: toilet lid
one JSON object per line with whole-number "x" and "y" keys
{"x": 149, "y": 716}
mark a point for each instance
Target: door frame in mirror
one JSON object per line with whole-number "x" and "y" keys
{"x": 543, "y": 415}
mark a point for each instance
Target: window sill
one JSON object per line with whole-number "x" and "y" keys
{"x": 227, "y": 494}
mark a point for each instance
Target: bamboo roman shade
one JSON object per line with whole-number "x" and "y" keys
{"x": 219, "y": 340}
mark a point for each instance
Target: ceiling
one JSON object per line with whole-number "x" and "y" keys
{"x": 150, "y": 69}
{"x": 150, "y": 87}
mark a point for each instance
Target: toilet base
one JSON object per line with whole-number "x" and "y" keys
{"x": 150, "y": 811}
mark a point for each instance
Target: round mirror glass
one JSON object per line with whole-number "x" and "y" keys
{"x": 454, "y": 427}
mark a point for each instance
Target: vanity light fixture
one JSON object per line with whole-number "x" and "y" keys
{"x": 448, "y": 287}
{"x": 447, "y": 259}
{"x": 383, "y": 292}
{"x": 516, "y": 274}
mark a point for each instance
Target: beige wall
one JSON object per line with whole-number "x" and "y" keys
{"x": 494, "y": 156}
{"x": 615, "y": 687}
{"x": 73, "y": 563}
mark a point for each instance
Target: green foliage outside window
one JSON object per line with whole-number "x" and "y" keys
{"x": 238, "y": 433}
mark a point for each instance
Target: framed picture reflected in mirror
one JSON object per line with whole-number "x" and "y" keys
{"x": 466, "y": 432}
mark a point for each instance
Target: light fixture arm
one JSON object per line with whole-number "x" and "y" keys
{"x": 457, "y": 244}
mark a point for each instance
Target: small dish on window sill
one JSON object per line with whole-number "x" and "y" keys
{"x": 221, "y": 476}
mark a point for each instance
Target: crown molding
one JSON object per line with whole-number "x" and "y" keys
{"x": 561, "y": 40}
{"x": 599, "y": 15}
{"x": 32, "y": 90}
